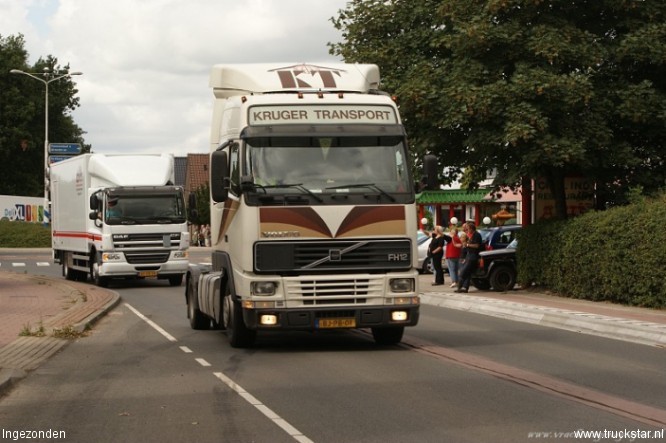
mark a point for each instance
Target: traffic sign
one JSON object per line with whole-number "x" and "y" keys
{"x": 64, "y": 148}
{"x": 58, "y": 158}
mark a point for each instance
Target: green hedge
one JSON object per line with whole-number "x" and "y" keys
{"x": 618, "y": 255}
{"x": 16, "y": 234}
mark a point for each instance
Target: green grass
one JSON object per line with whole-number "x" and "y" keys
{"x": 24, "y": 235}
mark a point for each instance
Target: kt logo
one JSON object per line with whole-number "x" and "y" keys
{"x": 308, "y": 76}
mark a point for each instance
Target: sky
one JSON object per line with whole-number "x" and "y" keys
{"x": 146, "y": 63}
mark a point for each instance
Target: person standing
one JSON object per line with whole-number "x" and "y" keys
{"x": 452, "y": 254}
{"x": 437, "y": 254}
{"x": 473, "y": 248}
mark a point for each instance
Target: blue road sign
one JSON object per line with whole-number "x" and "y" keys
{"x": 64, "y": 148}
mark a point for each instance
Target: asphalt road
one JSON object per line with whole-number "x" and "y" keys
{"x": 144, "y": 375}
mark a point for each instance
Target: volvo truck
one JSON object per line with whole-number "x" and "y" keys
{"x": 118, "y": 216}
{"x": 313, "y": 219}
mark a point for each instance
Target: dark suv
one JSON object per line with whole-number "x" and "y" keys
{"x": 497, "y": 269}
{"x": 498, "y": 237}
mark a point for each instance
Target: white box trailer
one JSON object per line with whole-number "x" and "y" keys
{"x": 118, "y": 216}
{"x": 313, "y": 217}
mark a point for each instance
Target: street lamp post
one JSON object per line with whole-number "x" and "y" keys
{"x": 46, "y": 80}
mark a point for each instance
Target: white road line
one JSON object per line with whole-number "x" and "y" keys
{"x": 152, "y": 324}
{"x": 185, "y": 349}
{"x": 288, "y": 428}
{"x": 18, "y": 265}
{"x": 282, "y": 423}
{"x": 43, "y": 263}
{"x": 202, "y": 362}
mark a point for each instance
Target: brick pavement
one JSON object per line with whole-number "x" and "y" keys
{"x": 31, "y": 307}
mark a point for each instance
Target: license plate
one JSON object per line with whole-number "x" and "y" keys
{"x": 148, "y": 274}
{"x": 330, "y": 323}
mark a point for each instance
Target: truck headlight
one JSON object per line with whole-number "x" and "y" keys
{"x": 263, "y": 288}
{"x": 181, "y": 254}
{"x": 402, "y": 285}
{"x": 112, "y": 256}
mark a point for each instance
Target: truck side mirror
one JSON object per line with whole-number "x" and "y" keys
{"x": 430, "y": 171}
{"x": 94, "y": 202}
{"x": 219, "y": 176}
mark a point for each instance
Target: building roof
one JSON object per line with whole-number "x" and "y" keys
{"x": 448, "y": 196}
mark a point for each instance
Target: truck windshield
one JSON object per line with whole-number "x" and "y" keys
{"x": 328, "y": 165}
{"x": 145, "y": 209}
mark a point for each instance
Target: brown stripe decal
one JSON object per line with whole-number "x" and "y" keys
{"x": 374, "y": 220}
{"x": 305, "y": 218}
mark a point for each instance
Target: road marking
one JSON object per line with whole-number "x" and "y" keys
{"x": 43, "y": 263}
{"x": 152, "y": 324}
{"x": 18, "y": 265}
{"x": 282, "y": 423}
{"x": 202, "y": 362}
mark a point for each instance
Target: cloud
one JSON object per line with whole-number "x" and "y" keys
{"x": 146, "y": 64}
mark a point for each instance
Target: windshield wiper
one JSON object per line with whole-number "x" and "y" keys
{"x": 365, "y": 185}
{"x": 298, "y": 186}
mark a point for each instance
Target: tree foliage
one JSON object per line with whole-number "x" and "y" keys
{"x": 524, "y": 87}
{"x": 22, "y": 106}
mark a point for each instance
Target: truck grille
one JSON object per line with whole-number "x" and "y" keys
{"x": 157, "y": 240}
{"x": 318, "y": 256}
{"x": 332, "y": 291}
{"x": 139, "y": 258}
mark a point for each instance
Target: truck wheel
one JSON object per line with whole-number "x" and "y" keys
{"x": 176, "y": 280}
{"x": 481, "y": 284}
{"x": 238, "y": 334}
{"x": 68, "y": 273}
{"x": 197, "y": 319}
{"x": 503, "y": 278}
{"x": 102, "y": 282}
{"x": 388, "y": 336}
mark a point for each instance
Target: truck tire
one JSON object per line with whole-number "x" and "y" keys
{"x": 198, "y": 320}
{"x": 388, "y": 336}
{"x": 238, "y": 334}
{"x": 68, "y": 273}
{"x": 175, "y": 280}
{"x": 102, "y": 282}
{"x": 503, "y": 278}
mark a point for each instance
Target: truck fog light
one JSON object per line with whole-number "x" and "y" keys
{"x": 268, "y": 319}
{"x": 402, "y": 284}
{"x": 399, "y": 316}
{"x": 263, "y": 287}
{"x": 111, "y": 256}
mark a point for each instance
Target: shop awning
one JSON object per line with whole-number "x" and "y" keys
{"x": 452, "y": 196}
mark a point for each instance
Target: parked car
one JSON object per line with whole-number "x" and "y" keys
{"x": 425, "y": 263}
{"x": 497, "y": 269}
{"x": 498, "y": 237}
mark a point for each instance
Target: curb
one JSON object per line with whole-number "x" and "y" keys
{"x": 635, "y": 331}
{"x": 27, "y": 353}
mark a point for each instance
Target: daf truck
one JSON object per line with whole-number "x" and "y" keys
{"x": 313, "y": 219}
{"x": 118, "y": 216}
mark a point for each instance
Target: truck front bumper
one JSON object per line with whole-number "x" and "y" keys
{"x": 331, "y": 318}
{"x": 111, "y": 266}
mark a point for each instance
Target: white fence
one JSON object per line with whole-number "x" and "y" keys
{"x": 17, "y": 208}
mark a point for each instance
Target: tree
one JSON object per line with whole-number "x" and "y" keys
{"x": 22, "y": 118}
{"x": 528, "y": 88}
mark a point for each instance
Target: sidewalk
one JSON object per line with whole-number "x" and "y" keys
{"x": 638, "y": 325}
{"x": 32, "y": 308}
